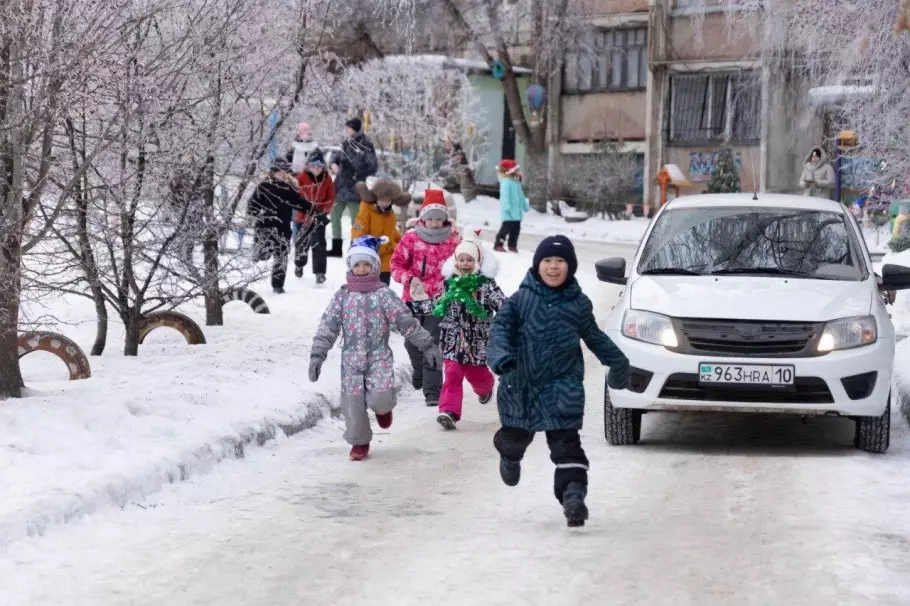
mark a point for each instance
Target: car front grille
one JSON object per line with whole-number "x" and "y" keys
{"x": 806, "y": 390}
{"x": 748, "y": 339}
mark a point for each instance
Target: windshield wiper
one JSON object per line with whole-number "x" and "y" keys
{"x": 777, "y": 271}
{"x": 670, "y": 271}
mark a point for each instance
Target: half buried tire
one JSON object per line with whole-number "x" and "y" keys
{"x": 622, "y": 426}
{"x": 62, "y": 347}
{"x": 873, "y": 434}
{"x": 171, "y": 319}
{"x": 249, "y": 297}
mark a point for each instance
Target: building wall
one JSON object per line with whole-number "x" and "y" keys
{"x": 604, "y": 116}
{"x": 714, "y": 37}
{"x": 749, "y": 177}
{"x": 612, "y": 7}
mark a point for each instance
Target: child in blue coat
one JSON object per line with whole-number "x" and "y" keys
{"x": 512, "y": 204}
{"x": 535, "y": 348}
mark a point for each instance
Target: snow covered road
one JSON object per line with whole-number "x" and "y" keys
{"x": 709, "y": 509}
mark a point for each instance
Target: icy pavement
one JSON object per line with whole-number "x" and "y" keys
{"x": 710, "y": 509}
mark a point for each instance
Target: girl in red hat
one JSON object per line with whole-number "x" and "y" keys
{"x": 512, "y": 204}
{"x": 417, "y": 266}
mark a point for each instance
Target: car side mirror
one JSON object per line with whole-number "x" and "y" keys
{"x": 614, "y": 270}
{"x": 895, "y": 277}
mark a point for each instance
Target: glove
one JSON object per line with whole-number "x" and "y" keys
{"x": 315, "y": 369}
{"x": 418, "y": 292}
{"x": 433, "y": 358}
{"x": 618, "y": 379}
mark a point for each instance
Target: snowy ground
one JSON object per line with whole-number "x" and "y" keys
{"x": 711, "y": 509}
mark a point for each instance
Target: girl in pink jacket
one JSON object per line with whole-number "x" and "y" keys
{"x": 417, "y": 266}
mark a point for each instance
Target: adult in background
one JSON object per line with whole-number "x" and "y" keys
{"x": 317, "y": 188}
{"x": 818, "y": 176}
{"x": 270, "y": 210}
{"x": 356, "y": 162}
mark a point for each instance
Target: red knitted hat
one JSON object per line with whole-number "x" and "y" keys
{"x": 434, "y": 200}
{"x": 508, "y": 166}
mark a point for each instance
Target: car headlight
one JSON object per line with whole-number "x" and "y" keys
{"x": 848, "y": 333}
{"x": 649, "y": 327}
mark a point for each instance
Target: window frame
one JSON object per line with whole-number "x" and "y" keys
{"x": 600, "y": 62}
{"x": 730, "y": 111}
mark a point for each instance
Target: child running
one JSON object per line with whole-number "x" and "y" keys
{"x": 417, "y": 266}
{"x": 377, "y": 218}
{"x": 467, "y": 306}
{"x": 535, "y": 348}
{"x": 363, "y": 309}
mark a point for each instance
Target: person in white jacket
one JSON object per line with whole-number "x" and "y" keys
{"x": 818, "y": 176}
{"x": 303, "y": 146}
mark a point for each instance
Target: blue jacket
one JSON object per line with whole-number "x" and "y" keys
{"x": 536, "y": 348}
{"x": 512, "y": 202}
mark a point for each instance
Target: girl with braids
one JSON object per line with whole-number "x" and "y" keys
{"x": 466, "y": 307}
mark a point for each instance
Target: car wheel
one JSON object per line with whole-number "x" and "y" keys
{"x": 622, "y": 426}
{"x": 873, "y": 434}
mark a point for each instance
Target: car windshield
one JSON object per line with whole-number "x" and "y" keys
{"x": 752, "y": 241}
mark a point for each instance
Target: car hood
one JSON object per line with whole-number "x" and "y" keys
{"x": 750, "y": 298}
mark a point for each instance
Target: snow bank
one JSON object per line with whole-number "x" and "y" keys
{"x": 71, "y": 448}
{"x": 484, "y": 212}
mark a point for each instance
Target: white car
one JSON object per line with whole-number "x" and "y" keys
{"x": 753, "y": 303}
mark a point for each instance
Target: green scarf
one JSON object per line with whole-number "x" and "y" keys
{"x": 462, "y": 289}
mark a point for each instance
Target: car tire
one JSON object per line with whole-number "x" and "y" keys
{"x": 873, "y": 434}
{"x": 622, "y": 426}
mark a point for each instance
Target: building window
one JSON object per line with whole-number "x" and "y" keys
{"x": 710, "y": 108}
{"x": 616, "y": 61}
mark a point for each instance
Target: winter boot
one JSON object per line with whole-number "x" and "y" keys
{"x": 573, "y": 504}
{"x": 447, "y": 420}
{"x": 359, "y": 453}
{"x": 485, "y": 398}
{"x": 499, "y": 248}
{"x": 513, "y": 249}
{"x": 320, "y": 278}
{"x": 509, "y": 471}
{"x": 337, "y": 244}
{"x": 278, "y": 290}
{"x": 385, "y": 421}
{"x": 298, "y": 272}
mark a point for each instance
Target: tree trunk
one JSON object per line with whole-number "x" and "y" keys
{"x": 131, "y": 338}
{"x": 101, "y": 316}
{"x": 467, "y": 183}
{"x": 211, "y": 286}
{"x": 537, "y": 185}
{"x": 10, "y": 280}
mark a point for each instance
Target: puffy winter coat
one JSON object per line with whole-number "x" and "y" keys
{"x": 512, "y": 202}
{"x": 275, "y": 200}
{"x": 536, "y": 347}
{"x": 364, "y": 318}
{"x": 414, "y": 258}
{"x": 356, "y": 162}
{"x": 320, "y": 191}
{"x": 821, "y": 173}
{"x": 463, "y": 337}
{"x": 371, "y": 221}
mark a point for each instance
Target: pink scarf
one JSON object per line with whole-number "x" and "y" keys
{"x": 364, "y": 283}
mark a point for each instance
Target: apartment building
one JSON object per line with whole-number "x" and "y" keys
{"x": 670, "y": 81}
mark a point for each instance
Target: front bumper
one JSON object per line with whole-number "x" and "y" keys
{"x": 664, "y": 380}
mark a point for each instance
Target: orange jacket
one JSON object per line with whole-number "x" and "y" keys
{"x": 371, "y": 221}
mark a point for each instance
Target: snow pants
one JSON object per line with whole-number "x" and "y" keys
{"x": 479, "y": 377}
{"x": 429, "y": 379}
{"x": 274, "y": 240}
{"x": 509, "y": 230}
{"x": 372, "y": 392}
{"x": 311, "y": 237}
{"x": 565, "y": 452}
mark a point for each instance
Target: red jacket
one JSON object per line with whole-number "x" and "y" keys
{"x": 320, "y": 191}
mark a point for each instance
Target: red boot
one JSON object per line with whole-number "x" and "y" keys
{"x": 499, "y": 248}
{"x": 385, "y": 421}
{"x": 359, "y": 453}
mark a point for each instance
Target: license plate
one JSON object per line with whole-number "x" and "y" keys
{"x": 758, "y": 375}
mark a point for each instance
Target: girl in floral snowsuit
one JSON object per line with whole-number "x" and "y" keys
{"x": 471, "y": 298}
{"x": 363, "y": 309}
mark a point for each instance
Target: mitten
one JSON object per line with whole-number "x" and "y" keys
{"x": 617, "y": 379}
{"x": 418, "y": 292}
{"x": 433, "y": 357}
{"x": 315, "y": 369}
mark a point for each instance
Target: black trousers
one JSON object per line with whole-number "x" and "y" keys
{"x": 274, "y": 241}
{"x": 510, "y": 230}
{"x": 386, "y": 277}
{"x": 565, "y": 452}
{"x": 312, "y": 237}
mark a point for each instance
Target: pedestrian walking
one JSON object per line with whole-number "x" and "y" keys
{"x": 512, "y": 205}
{"x": 356, "y": 162}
